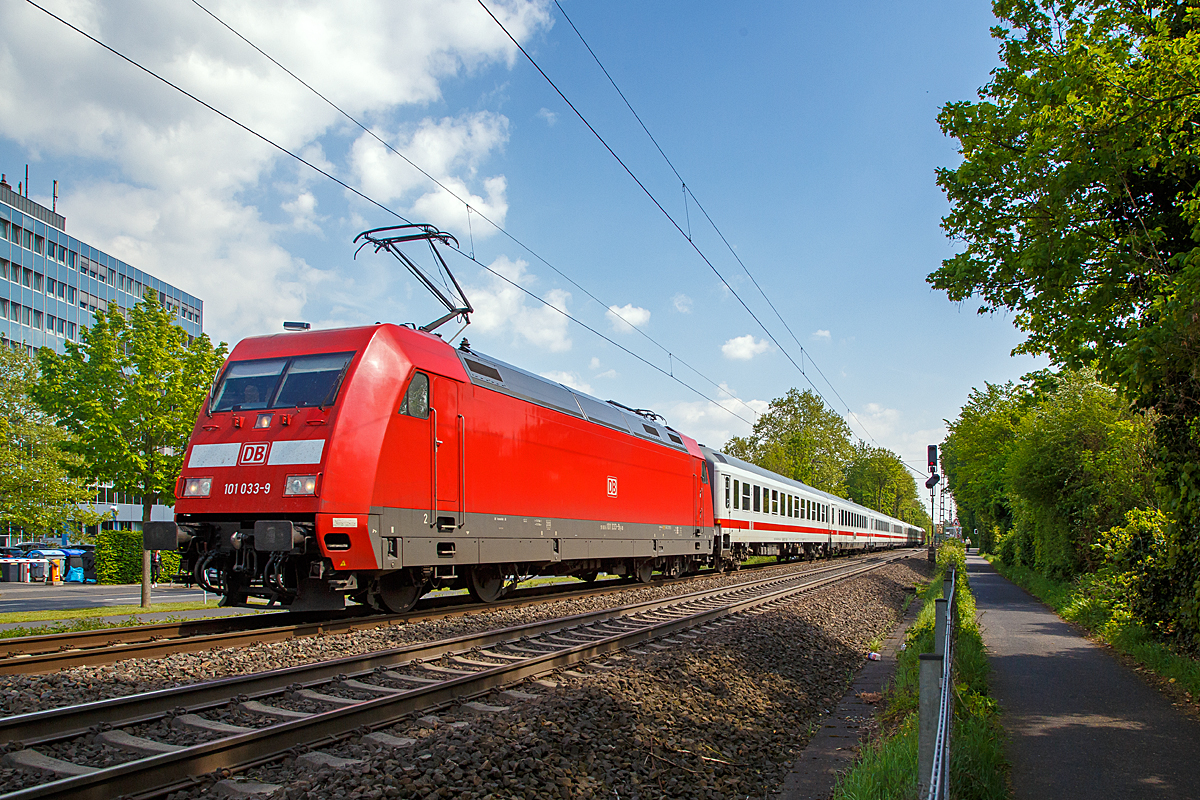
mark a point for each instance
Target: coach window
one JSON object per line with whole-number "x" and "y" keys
{"x": 727, "y": 491}
{"x": 737, "y": 494}
{"x": 416, "y": 399}
{"x": 775, "y": 501}
{"x": 757, "y": 499}
{"x": 745, "y": 496}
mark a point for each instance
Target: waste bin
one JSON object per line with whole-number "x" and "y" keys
{"x": 10, "y": 571}
{"x": 89, "y": 566}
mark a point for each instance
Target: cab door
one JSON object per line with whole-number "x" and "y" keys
{"x": 447, "y": 427}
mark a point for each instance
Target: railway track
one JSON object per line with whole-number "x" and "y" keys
{"x": 302, "y": 709}
{"x": 52, "y": 652}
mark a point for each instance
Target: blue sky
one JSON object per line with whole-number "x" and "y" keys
{"x": 806, "y": 129}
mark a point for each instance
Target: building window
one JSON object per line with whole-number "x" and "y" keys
{"x": 71, "y": 330}
{"x": 71, "y": 256}
{"x": 37, "y": 320}
{"x": 39, "y": 245}
{"x": 37, "y": 281}
{"x": 27, "y": 278}
{"x": 70, "y": 295}
{"x": 25, "y": 315}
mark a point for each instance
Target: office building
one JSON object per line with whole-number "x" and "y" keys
{"x": 51, "y": 285}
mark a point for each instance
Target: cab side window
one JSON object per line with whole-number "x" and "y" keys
{"x": 416, "y": 399}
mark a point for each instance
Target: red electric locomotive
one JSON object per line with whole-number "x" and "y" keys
{"x": 379, "y": 462}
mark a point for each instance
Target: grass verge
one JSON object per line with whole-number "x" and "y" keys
{"x": 100, "y": 611}
{"x": 1075, "y": 603}
{"x": 887, "y": 767}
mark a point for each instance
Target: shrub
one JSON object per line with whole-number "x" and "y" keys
{"x": 119, "y": 558}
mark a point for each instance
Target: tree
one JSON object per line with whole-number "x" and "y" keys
{"x": 878, "y": 479}
{"x": 1080, "y": 460}
{"x": 975, "y": 453}
{"x": 38, "y": 491}
{"x": 130, "y": 394}
{"x": 799, "y": 438}
{"x": 1078, "y": 202}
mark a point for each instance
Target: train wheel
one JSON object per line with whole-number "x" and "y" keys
{"x": 644, "y": 570}
{"x": 486, "y": 583}
{"x": 398, "y": 593}
{"x": 589, "y": 577}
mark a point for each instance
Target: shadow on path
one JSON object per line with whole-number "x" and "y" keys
{"x": 1080, "y": 724}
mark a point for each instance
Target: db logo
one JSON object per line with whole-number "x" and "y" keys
{"x": 254, "y": 453}
{"x": 612, "y": 486}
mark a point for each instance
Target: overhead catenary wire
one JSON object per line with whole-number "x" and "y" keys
{"x": 609, "y": 308}
{"x": 376, "y": 203}
{"x": 653, "y": 200}
{"x": 688, "y": 234}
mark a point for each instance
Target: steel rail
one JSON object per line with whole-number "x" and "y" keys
{"x": 169, "y": 772}
{"x": 51, "y": 652}
{"x": 38, "y": 726}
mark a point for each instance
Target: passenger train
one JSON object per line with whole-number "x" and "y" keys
{"x": 379, "y": 462}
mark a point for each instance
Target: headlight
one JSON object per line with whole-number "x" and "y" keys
{"x": 300, "y": 485}
{"x": 197, "y": 487}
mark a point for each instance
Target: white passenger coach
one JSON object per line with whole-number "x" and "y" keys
{"x": 760, "y": 513}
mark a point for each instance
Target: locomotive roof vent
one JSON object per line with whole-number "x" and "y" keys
{"x": 296, "y": 326}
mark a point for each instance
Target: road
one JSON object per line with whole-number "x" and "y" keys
{"x": 40, "y": 597}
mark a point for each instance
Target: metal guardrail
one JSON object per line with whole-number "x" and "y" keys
{"x": 936, "y": 703}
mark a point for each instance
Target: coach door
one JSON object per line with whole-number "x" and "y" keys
{"x": 447, "y": 431}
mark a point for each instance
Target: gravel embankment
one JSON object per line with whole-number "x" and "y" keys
{"x": 721, "y": 717}
{"x": 24, "y": 693}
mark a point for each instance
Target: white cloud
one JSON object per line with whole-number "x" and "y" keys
{"x": 624, "y": 318}
{"x": 713, "y": 425}
{"x": 546, "y": 114}
{"x": 568, "y": 379}
{"x": 877, "y": 419}
{"x": 744, "y": 348}
{"x": 609, "y": 373}
{"x": 503, "y": 309}
{"x": 179, "y": 191}
{"x": 448, "y": 149}
{"x": 682, "y": 303}
{"x": 891, "y": 430}
{"x": 822, "y": 335}
{"x": 594, "y": 363}
{"x": 303, "y": 211}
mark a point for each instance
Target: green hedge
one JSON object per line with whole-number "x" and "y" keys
{"x": 119, "y": 558}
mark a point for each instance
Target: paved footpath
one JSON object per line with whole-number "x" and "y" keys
{"x": 1079, "y": 723}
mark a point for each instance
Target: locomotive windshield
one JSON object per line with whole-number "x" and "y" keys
{"x": 281, "y": 382}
